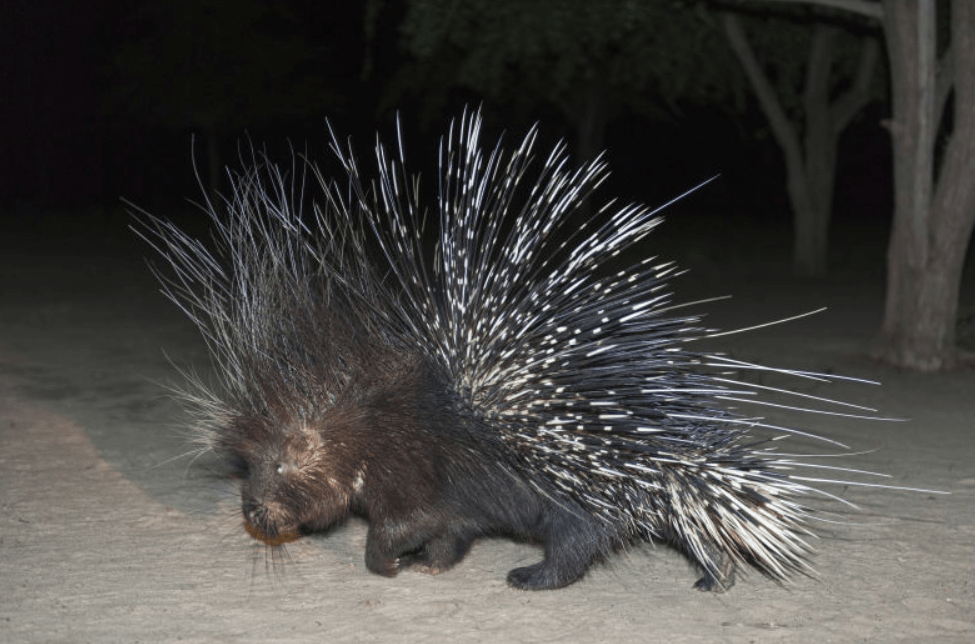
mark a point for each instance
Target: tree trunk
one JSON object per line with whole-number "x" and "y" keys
{"x": 811, "y": 234}
{"x": 810, "y": 164}
{"x": 932, "y": 222}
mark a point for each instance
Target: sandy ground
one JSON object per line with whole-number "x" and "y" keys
{"x": 107, "y": 536}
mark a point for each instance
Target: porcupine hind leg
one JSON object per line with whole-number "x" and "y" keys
{"x": 572, "y": 545}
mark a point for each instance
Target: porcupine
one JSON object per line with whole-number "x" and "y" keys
{"x": 502, "y": 385}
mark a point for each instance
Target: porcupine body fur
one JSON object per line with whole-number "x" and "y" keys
{"x": 504, "y": 384}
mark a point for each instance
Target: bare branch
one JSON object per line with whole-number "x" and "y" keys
{"x": 862, "y": 7}
{"x": 783, "y": 130}
{"x": 847, "y": 105}
{"x": 819, "y": 67}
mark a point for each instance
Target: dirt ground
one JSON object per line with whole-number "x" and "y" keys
{"x": 107, "y": 535}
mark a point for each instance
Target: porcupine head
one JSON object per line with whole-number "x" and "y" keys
{"x": 330, "y": 424}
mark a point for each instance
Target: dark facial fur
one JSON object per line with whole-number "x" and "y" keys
{"x": 289, "y": 485}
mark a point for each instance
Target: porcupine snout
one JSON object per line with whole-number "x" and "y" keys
{"x": 267, "y": 519}
{"x": 268, "y": 513}
{"x": 255, "y": 514}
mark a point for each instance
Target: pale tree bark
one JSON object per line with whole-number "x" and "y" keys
{"x": 933, "y": 216}
{"x": 810, "y": 158}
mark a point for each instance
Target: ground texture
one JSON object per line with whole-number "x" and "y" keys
{"x": 107, "y": 536}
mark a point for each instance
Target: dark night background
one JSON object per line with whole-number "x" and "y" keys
{"x": 86, "y": 122}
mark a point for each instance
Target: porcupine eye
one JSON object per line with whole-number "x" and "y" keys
{"x": 282, "y": 468}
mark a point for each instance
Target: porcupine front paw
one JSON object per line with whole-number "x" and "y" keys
{"x": 381, "y": 558}
{"x": 382, "y": 565}
{"x": 426, "y": 546}
{"x": 438, "y": 554}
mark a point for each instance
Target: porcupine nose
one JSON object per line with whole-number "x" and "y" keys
{"x": 261, "y": 524}
{"x": 255, "y": 514}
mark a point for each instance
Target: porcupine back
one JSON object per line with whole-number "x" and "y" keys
{"x": 513, "y": 340}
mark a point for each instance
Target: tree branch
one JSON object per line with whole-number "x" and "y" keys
{"x": 954, "y": 196}
{"x": 862, "y": 7}
{"x": 782, "y": 129}
{"x": 847, "y": 105}
{"x": 817, "y": 87}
